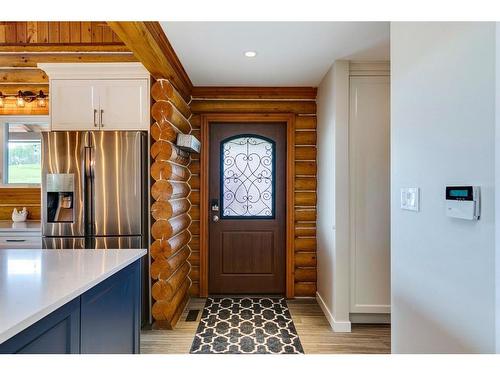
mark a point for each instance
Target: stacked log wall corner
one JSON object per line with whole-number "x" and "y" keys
{"x": 170, "y": 248}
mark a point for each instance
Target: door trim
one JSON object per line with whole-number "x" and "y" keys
{"x": 206, "y": 120}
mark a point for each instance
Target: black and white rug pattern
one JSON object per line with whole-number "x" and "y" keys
{"x": 246, "y": 325}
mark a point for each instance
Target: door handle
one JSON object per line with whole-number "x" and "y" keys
{"x": 215, "y": 218}
{"x": 102, "y": 124}
{"x": 95, "y": 120}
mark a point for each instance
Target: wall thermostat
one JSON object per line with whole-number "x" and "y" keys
{"x": 463, "y": 202}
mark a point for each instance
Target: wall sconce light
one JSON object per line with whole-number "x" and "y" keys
{"x": 20, "y": 99}
{"x": 41, "y": 99}
{"x": 24, "y": 97}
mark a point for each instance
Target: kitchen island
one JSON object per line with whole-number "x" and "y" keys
{"x": 70, "y": 301}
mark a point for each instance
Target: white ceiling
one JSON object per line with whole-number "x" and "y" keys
{"x": 288, "y": 53}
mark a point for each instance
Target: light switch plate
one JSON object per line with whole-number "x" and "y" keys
{"x": 410, "y": 199}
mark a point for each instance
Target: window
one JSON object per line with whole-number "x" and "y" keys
{"x": 20, "y": 143}
{"x": 247, "y": 177}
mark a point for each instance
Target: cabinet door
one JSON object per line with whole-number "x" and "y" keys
{"x": 110, "y": 314}
{"x": 73, "y": 104}
{"x": 370, "y": 185}
{"x": 57, "y": 333}
{"x": 124, "y": 104}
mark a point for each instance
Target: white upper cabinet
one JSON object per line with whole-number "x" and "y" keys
{"x": 95, "y": 96}
{"x": 123, "y": 104}
{"x": 74, "y": 104}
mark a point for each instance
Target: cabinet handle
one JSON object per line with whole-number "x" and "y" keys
{"x": 102, "y": 124}
{"x": 15, "y": 241}
{"x": 95, "y": 121}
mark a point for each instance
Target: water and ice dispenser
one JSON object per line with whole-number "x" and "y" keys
{"x": 60, "y": 197}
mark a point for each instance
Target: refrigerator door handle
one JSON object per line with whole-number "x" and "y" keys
{"x": 89, "y": 191}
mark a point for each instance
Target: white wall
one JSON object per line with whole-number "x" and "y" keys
{"x": 497, "y": 188}
{"x": 442, "y": 132}
{"x": 333, "y": 196}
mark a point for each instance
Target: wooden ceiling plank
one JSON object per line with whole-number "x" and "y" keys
{"x": 32, "y": 59}
{"x": 53, "y": 32}
{"x": 86, "y": 32}
{"x": 64, "y": 34}
{"x": 10, "y": 32}
{"x": 21, "y": 31}
{"x": 2, "y": 32}
{"x": 42, "y": 29}
{"x": 32, "y": 32}
{"x": 75, "y": 35}
{"x": 63, "y": 48}
{"x": 150, "y": 45}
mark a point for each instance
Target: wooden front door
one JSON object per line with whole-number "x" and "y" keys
{"x": 247, "y": 208}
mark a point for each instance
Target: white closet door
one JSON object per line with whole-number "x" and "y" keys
{"x": 73, "y": 104}
{"x": 124, "y": 104}
{"x": 370, "y": 183}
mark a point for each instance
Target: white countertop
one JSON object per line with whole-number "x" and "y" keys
{"x": 26, "y": 226}
{"x": 34, "y": 283}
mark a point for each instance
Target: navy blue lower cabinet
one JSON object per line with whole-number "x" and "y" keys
{"x": 57, "y": 333}
{"x": 110, "y": 314}
{"x": 105, "y": 319}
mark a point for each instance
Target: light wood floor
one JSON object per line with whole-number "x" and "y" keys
{"x": 314, "y": 330}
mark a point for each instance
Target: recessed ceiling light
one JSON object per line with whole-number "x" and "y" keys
{"x": 250, "y": 53}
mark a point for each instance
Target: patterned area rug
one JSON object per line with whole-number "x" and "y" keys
{"x": 246, "y": 325}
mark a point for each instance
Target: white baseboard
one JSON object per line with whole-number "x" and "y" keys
{"x": 337, "y": 326}
{"x": 370, "y": 318}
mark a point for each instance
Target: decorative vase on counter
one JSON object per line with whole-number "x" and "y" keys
{"x": 19, "y": 216}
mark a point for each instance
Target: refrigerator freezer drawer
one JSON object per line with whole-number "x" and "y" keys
{"x": 128, "y": 242}
{"x": 125, "y": 242}
{"x": 63, "y": 243}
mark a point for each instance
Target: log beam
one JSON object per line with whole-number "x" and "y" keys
{"x": 150, "y": 45}
{"x": 30, "y": 60}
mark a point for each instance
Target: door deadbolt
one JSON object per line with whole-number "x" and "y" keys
{"x": 214, "y": 205}
{"x": 215, "y": 218}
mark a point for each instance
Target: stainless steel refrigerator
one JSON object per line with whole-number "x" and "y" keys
{"x": 95, "y": 192}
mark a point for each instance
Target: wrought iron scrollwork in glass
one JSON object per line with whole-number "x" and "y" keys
{"x": 247, "y": 177}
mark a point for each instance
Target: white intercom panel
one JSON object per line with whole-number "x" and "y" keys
{"x": 463, "y": 202}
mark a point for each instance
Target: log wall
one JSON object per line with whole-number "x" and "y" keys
{"x": 301, "y": 102}
{"x": 170, "y": 229}
{"x": 11, "y": 198}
